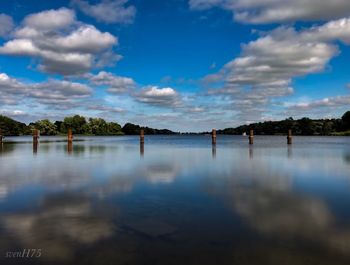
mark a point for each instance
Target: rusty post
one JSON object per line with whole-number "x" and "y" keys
{"x": 70, "y": 136}
{"x": 251, "y": 136}
{"x": 213, "y": 137}
{"x": 36, "y": 136}
{"x": 289, "y": 137}
{"x": 142, "y": 136}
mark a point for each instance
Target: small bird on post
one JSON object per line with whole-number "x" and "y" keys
{"x": 251, "y": 136}
{"x": 213, "y": 136}
{"x": 142, "y": 136}
{"x": 70, "y": 135}
{"x": 289, "y": 137}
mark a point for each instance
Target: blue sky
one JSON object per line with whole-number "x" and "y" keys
{"x": 187, "y": 65}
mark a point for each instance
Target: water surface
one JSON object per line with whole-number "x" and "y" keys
{"x": 176, "y": 200}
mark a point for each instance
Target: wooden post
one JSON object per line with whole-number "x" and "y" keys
{"x": 142, "y": 136}
{"x": 70, "y": 136}
{"x": 36, "y": 136}
{"x": 1, "y": 137}
{"x": 289, "y": 137}
{"x": 213, "y": 137}
{"x": 251, "y": 136}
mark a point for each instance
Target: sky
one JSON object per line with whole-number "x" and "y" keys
{"x": 185, "y": 65}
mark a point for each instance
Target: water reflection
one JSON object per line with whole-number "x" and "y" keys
{"x": 62, "y": 221}
{"x": 142, "y": 149}
{"x": 289, "y": 151}
{"x": 183, "y": 203}
{"x": 70, "y": 147}
{"x": 35, "y": 147}
{"x": 251, "y": 152}
{"x": 6, "y": 148}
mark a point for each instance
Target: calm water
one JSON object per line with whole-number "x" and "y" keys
{"x": 104, "y": 200}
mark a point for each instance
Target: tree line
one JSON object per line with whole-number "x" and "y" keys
{"x": 79, "y": 125}
{"x": 304, "y": 126}
{"x": 97, "y": 126}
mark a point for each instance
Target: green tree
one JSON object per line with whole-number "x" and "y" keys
{"x": 306, "y": 126}
{"x": 346, "y": 120}
{"x": 9, "y": 126}
{"x": 76, "y": 123}
{"x": 131, "y": 129}
{"x": 114, "y": 128}
{"x": 45, "y": 127}
{"x": 98, "y": 126}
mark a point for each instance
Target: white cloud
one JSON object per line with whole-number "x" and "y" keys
{"x": 266, "y": 67}
{"x": 61, "y": 44}
{"x": 63, "y": 94}
{"x": 116, "y": 84}
{"x": 270, "y": 11}
{"x": 330, "y": 102}
{"x": 6, "y": 25}
{"x": 108, "y": 11}
{"x": 163, "y": 97}
{"x": 50, "y": 20}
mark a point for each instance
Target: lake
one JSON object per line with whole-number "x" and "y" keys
{"x": 176, "y": 200}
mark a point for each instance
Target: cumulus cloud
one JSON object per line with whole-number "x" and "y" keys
{"x": 50, "y": 19}
{"x": 116, "y": 84}
{"x": 59, "y": 42}
{"x": 330, "y": 102}
{"x": 61, "y": 94}
{"x": 163, "y": 97}
{"x": 270, "y": 11}
{"x": 6, "y": 25}
{"x": 108, "y": 11}
{"x": 266, "y": 67}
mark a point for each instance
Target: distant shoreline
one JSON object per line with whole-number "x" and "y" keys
{"x": 99, "y": 127}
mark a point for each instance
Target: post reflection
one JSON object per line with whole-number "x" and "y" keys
{"x": 290, "y": 151}
{"x": 69, "y": 147}
{"x": 213, "y": 151}
{"x": 35, "y": 147}
{"x": 251, "y": 152}
{"x": 142, "y": 149}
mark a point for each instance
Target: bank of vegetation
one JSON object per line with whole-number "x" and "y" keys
{"x": 97, "y": 126}
{"x": 304, "y": 126}
{"x": 79, "y": 125}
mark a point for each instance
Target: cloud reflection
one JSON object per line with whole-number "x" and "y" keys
{"x": 61, "y": 222}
